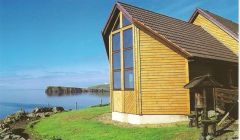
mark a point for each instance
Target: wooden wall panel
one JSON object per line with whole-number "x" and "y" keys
{"x": 131, "y": 97}
{"x": 218, "y": 33}
{"x": 130, "y": 102}
{"x": 163, "y": 75}
{"x": 118, "y": 101}
{"x": 137, "y": 87}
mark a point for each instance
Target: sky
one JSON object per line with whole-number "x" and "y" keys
{"x": 59, "y": 42}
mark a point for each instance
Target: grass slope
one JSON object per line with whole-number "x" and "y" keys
{"x": 83, "y": 125}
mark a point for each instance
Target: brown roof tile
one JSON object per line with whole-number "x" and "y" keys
{"x": 189, "y": 37}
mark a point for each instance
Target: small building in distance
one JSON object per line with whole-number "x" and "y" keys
{"x": 152, "y": 56}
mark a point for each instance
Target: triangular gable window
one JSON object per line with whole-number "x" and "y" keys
{"x": 117, "y": 24}
{"x": 126, "y": 21}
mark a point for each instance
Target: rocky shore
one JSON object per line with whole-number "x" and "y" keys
{"x": 13, "y": 126}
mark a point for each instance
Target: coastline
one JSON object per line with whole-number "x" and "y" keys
{"x": 27, "y": 99}
{"x": 60, "y": 89}
{"x": 15, "y": 126}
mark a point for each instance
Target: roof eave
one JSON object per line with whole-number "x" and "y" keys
{"x": 206, "y": 59}
{"x": 211, "y": 19}
{"x": 109, "y": 19}
{"x": 105, "y": 44}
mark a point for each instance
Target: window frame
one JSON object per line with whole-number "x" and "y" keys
{"x": 128, "y": 68}
{"x": 116, "y": 70}
{"x": 121, "y": 51}
{"x": 118, "y": 17}
{"x": 129, "y": 89}
{"x": 116, "y": 51}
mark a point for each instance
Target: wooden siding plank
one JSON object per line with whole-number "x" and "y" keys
{"x": 163, "y": 75}
{"x": 218, "y": 33}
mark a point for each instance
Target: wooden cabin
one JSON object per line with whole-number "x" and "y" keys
{"x": 152, "y": 57}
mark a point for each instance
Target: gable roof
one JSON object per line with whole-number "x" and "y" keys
{"x": 187, "y": 39}
{"x": 226, "y": 25}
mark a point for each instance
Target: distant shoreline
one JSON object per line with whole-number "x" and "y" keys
{"x": 70, "y": 90}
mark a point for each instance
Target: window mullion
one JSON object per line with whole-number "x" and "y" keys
{"x": 121, "y": 20}
{"x": 122, "y": 60}
{"x": 121, "y": 50}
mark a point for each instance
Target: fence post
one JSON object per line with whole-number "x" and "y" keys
{"x": 76, "y": 106}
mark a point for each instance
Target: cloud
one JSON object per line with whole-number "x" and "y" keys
{"x": 40, "y": 79}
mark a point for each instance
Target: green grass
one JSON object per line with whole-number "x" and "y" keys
{"x": 83, "y": 125}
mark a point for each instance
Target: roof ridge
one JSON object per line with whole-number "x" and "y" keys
{"x": 218, "y": 15}
{"x": 154, "y": 12}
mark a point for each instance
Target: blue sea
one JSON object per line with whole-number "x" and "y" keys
{"x": 12, "y": 100}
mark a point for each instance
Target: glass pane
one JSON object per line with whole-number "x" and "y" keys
{"x": 127, "y": 38}
{"x": 126, "y": 21}
{"x": 116, "y": 61}
{"x": 116, "y": 42}
{"x": 129, "y": 79}
{"x": 117, "y": 25}
{"x": 128, "y": 58}
{"x": 117, "y": 80}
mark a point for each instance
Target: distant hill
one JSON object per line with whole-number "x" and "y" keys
{"x": 102, "y": 86}
{"x": 59, "y": 90}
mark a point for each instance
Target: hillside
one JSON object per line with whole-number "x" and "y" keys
{"x": 95, "y": 124}
{"x": 101, "y": 86}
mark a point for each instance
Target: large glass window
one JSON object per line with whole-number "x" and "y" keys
{"x": 116, "y": 42}
{"x": 116, "y": 61}
{"x": 126, "y": 21}
{"x": 117, "y": 79}
{"x": 129, "y": 79}
{"x": 127, "y": 46}
{"x": 128, "y": 59}
{"x": 127, "y": 38}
